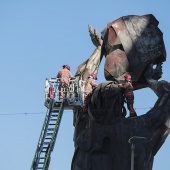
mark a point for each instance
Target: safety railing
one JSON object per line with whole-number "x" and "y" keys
{"x": 74, "y": 95}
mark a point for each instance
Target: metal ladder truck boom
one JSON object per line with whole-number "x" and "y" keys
{"x": 55, "y": 109}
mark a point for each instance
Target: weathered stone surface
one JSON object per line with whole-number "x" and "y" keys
{"x": 131, "y": 44}
{"x": 104, "y": 146}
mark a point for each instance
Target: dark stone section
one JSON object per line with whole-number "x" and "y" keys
{"x": 131, "y": 44}
{"x": 105, "y": 146}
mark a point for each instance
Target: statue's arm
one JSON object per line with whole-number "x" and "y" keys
{"x": 95, "y": 37}
{"x": 91, "y": 65}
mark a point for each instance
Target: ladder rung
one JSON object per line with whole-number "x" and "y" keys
{"x": 54, "y": 115}
{"x": 53, "y": 119}
{"x": 56, "y": 107}
{"x": 52, "y": 124}
{"x": 50, "y": 129}
{"x": 56, "y": 104}
{"x": 47, "y": 134}
{"x": 44, "y": 151}
{"x": 55, "y": 111}
{"x": 45, "y": 147}
{"x": 46, "y": 143}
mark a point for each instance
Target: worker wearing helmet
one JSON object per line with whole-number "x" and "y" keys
{"x": 129, "y": 95}
{"x": 67, "y": 66}
{"x": 64, "y": 76}
{"x": 90, "y": 84}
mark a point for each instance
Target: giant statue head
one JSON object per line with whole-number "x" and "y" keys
{"x": 130, "y": 44}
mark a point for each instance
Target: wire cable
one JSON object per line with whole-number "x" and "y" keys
{"x": 38, "y": 113}
{"x": 25, "y": 113}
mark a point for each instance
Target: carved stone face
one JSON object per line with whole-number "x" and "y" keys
{"x": 131, "y": 44}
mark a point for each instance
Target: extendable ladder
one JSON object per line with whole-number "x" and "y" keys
{"x": 48, "y": 136}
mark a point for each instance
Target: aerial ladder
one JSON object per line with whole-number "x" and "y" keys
{"x": 55, "y": 109}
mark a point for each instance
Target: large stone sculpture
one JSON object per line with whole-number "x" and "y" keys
{"x": 131, "y": 44}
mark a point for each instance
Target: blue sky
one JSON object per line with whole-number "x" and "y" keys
{"x": 36, "y": 38}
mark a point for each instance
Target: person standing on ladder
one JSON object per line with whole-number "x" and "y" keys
{"x": 64, "y": 76}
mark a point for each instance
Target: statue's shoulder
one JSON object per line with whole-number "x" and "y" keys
{"x": 108, "y": 86}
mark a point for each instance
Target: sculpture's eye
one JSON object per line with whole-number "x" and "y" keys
{"x": 154, "y": 66}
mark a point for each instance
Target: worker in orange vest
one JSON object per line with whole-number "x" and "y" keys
{"x": 89, "y": 85}
{"x": 64, "y": 76}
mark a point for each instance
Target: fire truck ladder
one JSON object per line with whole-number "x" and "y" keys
{"x": 50, "y": 128}
{"x": 48, "y": 136}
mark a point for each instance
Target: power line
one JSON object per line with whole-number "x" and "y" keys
{"x": 38, "y": 113}
{"x": 25, "y": 113}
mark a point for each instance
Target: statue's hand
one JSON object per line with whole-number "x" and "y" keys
{"x": 95, "y": 37}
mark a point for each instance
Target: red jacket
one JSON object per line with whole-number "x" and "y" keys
{"x": 128, "y": 89}
{"x": 64, "y": 76}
